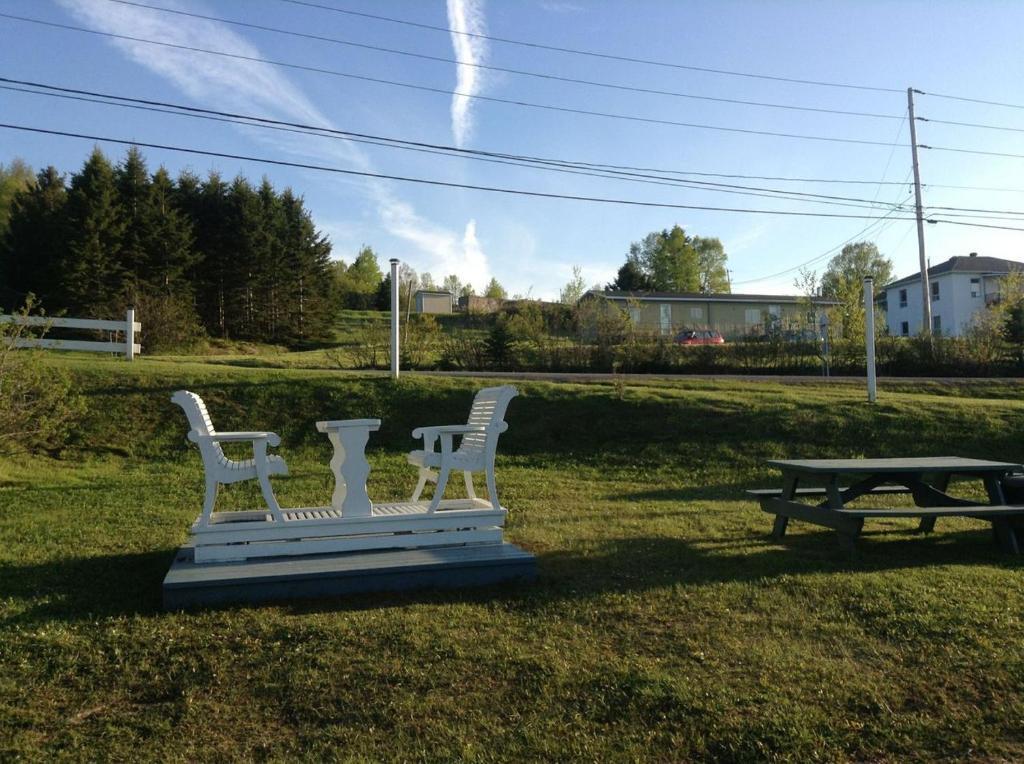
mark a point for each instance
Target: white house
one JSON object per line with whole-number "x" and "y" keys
{"x": 959, "y": 288}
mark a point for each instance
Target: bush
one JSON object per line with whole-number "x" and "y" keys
{"x": 169, "y": 324}
{"x": 37, "y": 404}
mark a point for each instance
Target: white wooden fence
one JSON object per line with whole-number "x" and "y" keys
{"x": 128, "y": 347}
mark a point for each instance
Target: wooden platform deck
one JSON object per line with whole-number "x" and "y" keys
{"x": 189, "y": 584}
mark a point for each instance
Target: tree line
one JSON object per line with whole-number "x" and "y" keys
{"x": 194, "y": 255}
{"x": 362, "y": 286}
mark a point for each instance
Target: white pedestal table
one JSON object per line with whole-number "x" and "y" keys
{"x": 349, "y": 438}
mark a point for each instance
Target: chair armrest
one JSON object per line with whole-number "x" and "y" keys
{"x": 453, "y": 429}
{"x": 272, "y": 438}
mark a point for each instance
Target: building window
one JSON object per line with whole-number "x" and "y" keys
{"x": 903, "y": 298}
{"x": 752, "y": 316}
{"x": 634, "y": 316}
{"x": 905, "y": 328}
{"x": 697, "y": 313}
{"x": 935, "y": 291}
{"x": 975, "y": 287}
{"x": 937, "y": 325}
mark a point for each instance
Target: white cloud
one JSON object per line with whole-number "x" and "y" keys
{"x": 466, "y": 16}
{"x": 255, "y": 87}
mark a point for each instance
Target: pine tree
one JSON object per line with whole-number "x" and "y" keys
{"x": 308, "y": 255}
{"x": 168, "y": 241}
{"x": 37, "y": 239}
{"x": 92, "y": 275}
{"x": 132, "y": 180}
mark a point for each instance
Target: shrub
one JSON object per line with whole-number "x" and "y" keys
{"x": 37, "y": 404}
{"x": 169, "y": 323}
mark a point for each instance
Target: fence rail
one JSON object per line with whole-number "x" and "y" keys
{"x": 129, "y": 348}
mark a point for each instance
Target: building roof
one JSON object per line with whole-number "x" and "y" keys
{"x": 964, "y": 264}
{"x": 434, "y": 291}
{"x": 700, "y": 297}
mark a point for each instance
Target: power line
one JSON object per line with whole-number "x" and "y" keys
{"x": 829, "y": 251}
{"x": 552, "y": 165}
{"x": 573, "y": 162}
{"x": 964, "y": 98}
{"x": 515, "y": 160}
{"x": 447, "y": 93}
{"x": 976, "y": 152}
{"x": 975, "y": 225}
{"x": 958, "y": 124}
{"x": 506, "y": 70}
{"x": 592, "y": 53}
{"x": 428, "y": 181}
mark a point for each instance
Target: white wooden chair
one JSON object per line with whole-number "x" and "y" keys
{"x": 475, "y": 452}
{"x": 219, "y": 469}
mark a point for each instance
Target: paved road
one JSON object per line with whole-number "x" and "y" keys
{"x": 793, "y": 379}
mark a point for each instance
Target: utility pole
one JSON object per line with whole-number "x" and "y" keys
{"x": 926, "y": 295}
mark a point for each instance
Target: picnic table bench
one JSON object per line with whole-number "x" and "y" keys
{"x": 926, "y": 479}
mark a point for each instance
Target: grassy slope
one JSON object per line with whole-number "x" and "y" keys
{"x": 664, "y": 625}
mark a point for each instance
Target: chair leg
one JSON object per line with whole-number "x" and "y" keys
{"x": 212, "y": 487}
{"x": 442, "y": 483}
{"x": 425, "y": 475}
{"x": 468, "y": 477}
{"x": 263, "y": 475}
{"x": 492, "y": 487}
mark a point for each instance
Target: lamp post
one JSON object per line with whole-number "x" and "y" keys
{"x": 869, "y": 334}
{"x": 394, "y": 318}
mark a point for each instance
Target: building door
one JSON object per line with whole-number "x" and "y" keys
{"x": 666, "y": 318}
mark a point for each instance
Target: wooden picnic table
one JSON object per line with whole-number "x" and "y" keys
{"x": 926, "y": 479}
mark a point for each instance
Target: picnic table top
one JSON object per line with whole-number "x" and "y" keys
{"x": 896, "y": 465}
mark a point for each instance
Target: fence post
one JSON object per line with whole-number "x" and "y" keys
{"x": 394, "y": 318}
{"x": 129, "y": 335}
{"x": 869, "y": 334}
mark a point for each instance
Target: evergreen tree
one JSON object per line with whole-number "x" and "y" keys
{"x": 168, "y": 241}
{"x": 205, "y": 204}
{"x": 631, "y": 278}
{"x": 92, "y": 275}
{"x": 308, "y": 253}
{"x": 132, "y": 180}
{"x": 33, "y": 250}
{"x": 494, "y": 290}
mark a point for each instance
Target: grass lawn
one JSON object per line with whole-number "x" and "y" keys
{"x": 665, "y": 625}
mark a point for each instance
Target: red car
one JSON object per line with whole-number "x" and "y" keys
{"x": 699, "y": 337}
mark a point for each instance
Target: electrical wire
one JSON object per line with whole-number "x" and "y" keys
{"x": 429, "y": 181}
{"x": 508, "y": 159}
{"x": 505, "y": 70}
{"x": 446, "y": 92}
{"x": 595, "y": 54}
{"x": 829, "y": 251}
{"x": 978, "y": 125}
{"x": 967, "y": 99}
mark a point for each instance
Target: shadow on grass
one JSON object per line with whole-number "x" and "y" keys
{"x": 118, "y": 585}
{"x": 84, "y": 588}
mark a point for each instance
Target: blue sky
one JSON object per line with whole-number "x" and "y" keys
{"x": 531, "y": 245}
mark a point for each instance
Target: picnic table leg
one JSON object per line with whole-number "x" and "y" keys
{"x": 782, "y": 521}
{"x": 1006, "y": 535}
{"x": 927, "y": 524}
{"x": 848, "y": 528}
{"x": 848, "y": 534}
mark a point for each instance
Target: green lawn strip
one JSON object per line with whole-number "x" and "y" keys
{"x": 664, "y": 625}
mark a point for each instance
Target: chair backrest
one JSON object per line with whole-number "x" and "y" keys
{"x": 199, "y": 421}
{"x": 488, "y": 410}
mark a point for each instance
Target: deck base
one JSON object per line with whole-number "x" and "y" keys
{"x": 191, "y": 585}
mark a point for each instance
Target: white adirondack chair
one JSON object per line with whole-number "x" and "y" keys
{"x": 219, "y": 469}
{"x": 475, "y": 452}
